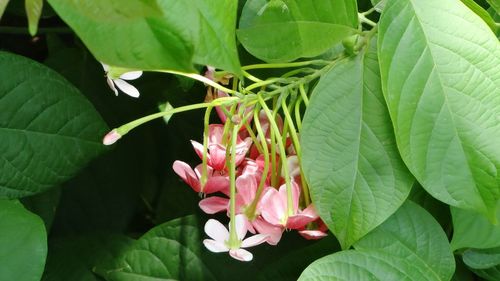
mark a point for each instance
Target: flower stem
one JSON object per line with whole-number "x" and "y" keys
{"x": 201, "y": 78}
{"x": 283, "y": 159}
{"x": 283, "y": 65}
{"x": 206, "y": 131}
{"x": 233, "y": 238}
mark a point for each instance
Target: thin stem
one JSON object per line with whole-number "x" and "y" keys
{"x": 281, "y": 148}
{"x": 283, "y": 65}
{"x": 124, "y": 129}
{"x": 233, "y": 238}
{"x": 200, "y": 78}
{"x": 298, "y": 151}
{"x": 265, "y": 151}
{"x": 366, "y": 20}
{"x": 368, "y": 12}
{"x": 298, "y": 119}
{"x": 206, "y": 131}
{"x": 303, "y": 94}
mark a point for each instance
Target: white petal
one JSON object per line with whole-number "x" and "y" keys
{"x": 216, "y": 230}
{"x": 131, "y": 75}
{"x": 254, "y": 240}
{"x": 112, "y": 86}
{"x": 241, "y": 255}
{"x": 105, "y": 67}
{"x": 241, "y": 229}
{"x": 126, "y": 88}
{"x": 215, "y": 246}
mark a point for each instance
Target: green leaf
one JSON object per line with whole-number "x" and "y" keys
{"x": 135, "y": 35}
{"x": 441, "y": 82}
{"x": 495, "y": 4}
{"x": 356, "y": 176}
{"x": 471, "y": 230}
{"x": 485, "y": 16}
{"x": 482, "y": 258}
{"x": 75, "y": 257}
{"x": 44, "y": 205}
{"x": 23, "y": 243}
{"x": 210, "y": 29}
{"x": 284, "y": 30}
{"x": 48, "y": 129}
{"x": 169, "y": 251}
{"x": 3, "y": 5}
{"x": 33, "y": 12}
{"x": 408, "y": 246}
{"x": 150, "y": 36}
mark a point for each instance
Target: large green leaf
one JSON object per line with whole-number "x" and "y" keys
{"x": 48, "y": 129}
{"x": 284, "y": 30}
{"x": 482, "y": 258}
{"x": 23, "y": 243}
{"x": 485, "y": 16}
{"x": 44, "y": 205}
{"x": 169, "y": 251}
{"x": 356, "y": 176}
{"x": 410, "y": 245}
{"x": 149, "y": 35}
{"x": 495, "y": 4}
{"x": 440, "y": 74}
{"x": 471, "y": 230}
{"x": 33, "y": 12}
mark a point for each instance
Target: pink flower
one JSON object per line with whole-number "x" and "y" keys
{"x": 215, "y": 181}
{"x": 220, "y": 239}
{"x": 275, "y": 208}
{"x": 216, "y": 149}
{"x": 111, "y": 137}
{"x": 214, "y": 204}
{"x": 317, "y": 232}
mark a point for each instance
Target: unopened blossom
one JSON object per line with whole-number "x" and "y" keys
{"x": 120, "y": 83}
{"x": 111, "y": 137}
{"x": 220, "y": 239}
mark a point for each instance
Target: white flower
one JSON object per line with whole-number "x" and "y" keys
{"x": 220, "y": 239}
{"x": 120, "y": 81}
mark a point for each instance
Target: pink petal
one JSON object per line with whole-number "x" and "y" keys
{"x": 216, "y": 230}
{"x": 198, "y": 148}
{"x": 273, "y": 209}
{"x": 241, "y": 255}
{"x": 312, "y": 234}
{"x": 247, "y": 187}
{"x": 214, "y": 204}
{"x": 295, "y": 195}
{"x": 131, "y": 75}
{"x": 293, "y": 166}
{"x": 299, "y": 221}
{"x": 126, "y": 88}
{"x": 215, "y": 246}
{"x": 273, "y": 232}
{"x": 217, "y": 156}
{"x": 215, "y": 133}
{"x": 216, "y": 184}
{"x": 187, "y": 174}
{"x": 254, "y": 240}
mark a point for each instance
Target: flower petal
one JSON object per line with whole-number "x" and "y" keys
{"x": 313, "y": 234}
{"x": 299, "y": 221}
{"x": 112, "y": 86}
{"x": 246, "y": 186}
{"x": 127, "y": 88}
{"x": 214, "y": 204}
{"x": 272, "y": 207}
{"x": 216, "y": 231}
{"x": 105, "y": 67}
{"x": 187, "y": 174}
{"x": 241, "y": 255}
{"x": 241, "y": 230}
{"x": 216, "y": 184}
{"x": 131, "y": 75}
{"x": 215, "y": 246}
{"x": 254, "y": 240}
{"x": 272, "y": 231}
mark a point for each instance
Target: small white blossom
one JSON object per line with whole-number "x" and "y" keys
{"x": 120, "y": 82}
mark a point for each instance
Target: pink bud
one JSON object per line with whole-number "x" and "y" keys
{"x": 111, "y": 137}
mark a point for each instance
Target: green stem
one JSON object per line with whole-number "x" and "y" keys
{"x": 298, "y": 151}
{"x": 363, "y": 19}
{"x": 298, "y": 119}
{"x": 303, "y": 94}
{"x": 283, "y": 65}
{"x": 206, "y": 131}
{"x": 265, "y": 151}
{"x": 200, "y": 78}
{"x": 124, "y": 129}
{"x": 283, "y": 159}
{"x": 234, "y": 242}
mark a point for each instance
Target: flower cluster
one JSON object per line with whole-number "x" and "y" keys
{"x": 259, "y": 188}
